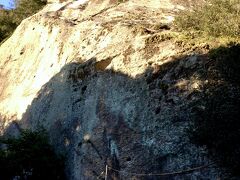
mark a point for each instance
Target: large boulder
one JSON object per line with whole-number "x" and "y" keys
{"x": 110, "y": 85}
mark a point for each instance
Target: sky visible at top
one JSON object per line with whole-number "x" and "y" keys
{"x": 7, "y": 3}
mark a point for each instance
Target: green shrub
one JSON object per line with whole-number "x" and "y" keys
{"x": 29, "y": 157}
{"x": 26, "y": 8}
{"x": 10, "y": 19}
{"x": 215, "y": 18}
{"x": 7, "y": 25}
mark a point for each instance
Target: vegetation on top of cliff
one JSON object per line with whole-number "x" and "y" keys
{"x": 10, "y": 19}
{"x": 216, "y": 20}
{"x": 29, "y": 156}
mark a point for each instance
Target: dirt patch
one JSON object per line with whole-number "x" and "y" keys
{"x": 102, "y": 65}
{"x": 188, "y": 3}
{"x": 152, "y": 44}
{"x": 127, "y": 54}
{"x": 158, "y": 38}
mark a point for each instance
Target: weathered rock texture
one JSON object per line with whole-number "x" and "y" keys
{"x": 109, "y": 84}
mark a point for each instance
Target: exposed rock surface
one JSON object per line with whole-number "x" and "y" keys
{"x": 110, "y": 85}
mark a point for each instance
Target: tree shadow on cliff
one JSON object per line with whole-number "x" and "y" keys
{"x": 217, "y": 115}
{"x": 99, "y": 116}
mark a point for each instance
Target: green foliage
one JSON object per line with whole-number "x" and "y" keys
{"x": 10, "y": 19}
{"x": 29, "y": 157}
{"x": 216, "y": 18}
{"x": 26, "y": 8}
{"x": 7, "y": 25}
{"x": 217, "y": 126}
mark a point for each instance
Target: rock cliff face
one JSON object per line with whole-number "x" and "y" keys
{"x": 109, "y": 83}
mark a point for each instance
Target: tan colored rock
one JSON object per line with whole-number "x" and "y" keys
{"x": 60, "y": 34}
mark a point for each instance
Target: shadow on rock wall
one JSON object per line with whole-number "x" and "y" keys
{"x": 139, "y": 125}
{"x": 217, "y": 115}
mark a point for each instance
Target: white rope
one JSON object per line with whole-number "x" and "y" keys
{"x": 163, "y": 174}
